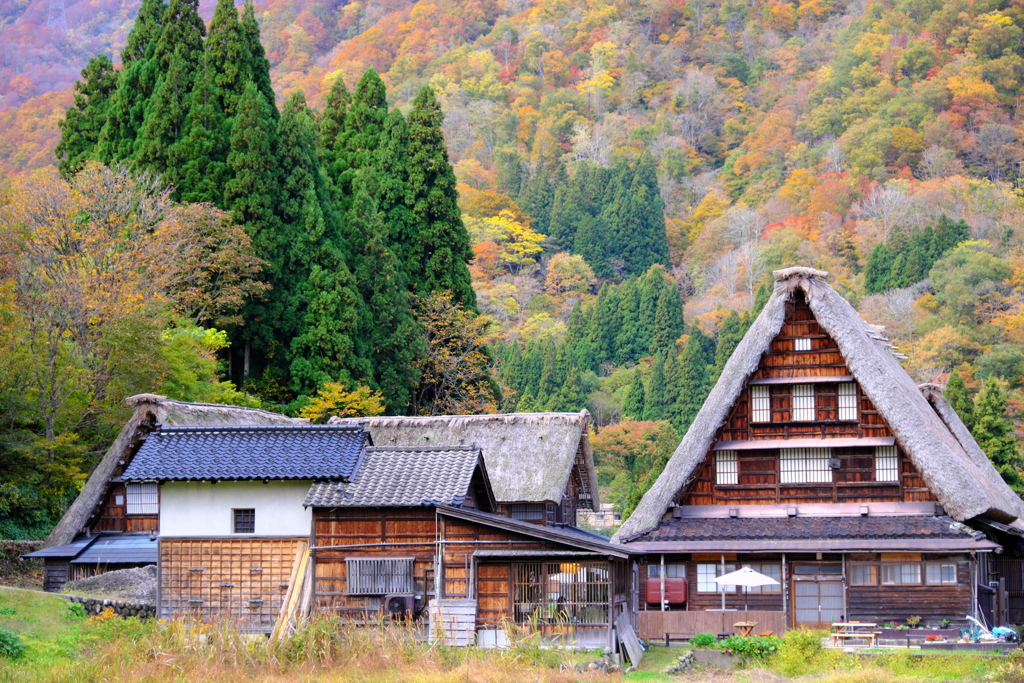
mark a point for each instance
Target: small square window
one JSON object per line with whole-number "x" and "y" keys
{"x": 802, "y": 344}
{"x": 245, "y": 521}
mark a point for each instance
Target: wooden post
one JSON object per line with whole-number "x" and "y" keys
{"x": 663, "y": 582}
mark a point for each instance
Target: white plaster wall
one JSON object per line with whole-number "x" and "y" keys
{"x": 196, "y": 508}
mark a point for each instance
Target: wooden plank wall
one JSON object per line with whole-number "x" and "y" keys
{"x": 759, "y": 483}
{"x": 243, "y": 580}
{"x": 655, "y": 624}
{"x": 769, "y": 601}
{"x": 882, "y": 604}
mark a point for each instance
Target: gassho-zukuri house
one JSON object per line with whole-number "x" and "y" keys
{"x": 816, "y": 460}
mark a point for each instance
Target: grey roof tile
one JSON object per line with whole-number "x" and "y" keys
{"x": 128, "y": 549}
{"x": 402, "y": 477}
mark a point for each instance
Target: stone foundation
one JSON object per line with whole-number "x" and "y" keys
{"x": 122, "y": 608}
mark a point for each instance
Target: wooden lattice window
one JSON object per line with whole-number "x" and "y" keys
{"x": 245, "y": 521}
{"x": 803, "y": 402}
{"x": 760, "y": 403}
{"x": 847, "y": 401}
{"x": 802, "y": 344}
{"x": 887, "y": 464}
{"x": 726, "y": 468}
{"x": 143, "y": 499}
{"x": 805, "y": 465}
{"x": 561, "y": 593}
{"x": 378, "y": 575}
{"x": 529, "y": 512}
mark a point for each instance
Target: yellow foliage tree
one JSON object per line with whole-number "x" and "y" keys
{"x": 712, "y": 206}
{"x": 334, "y": 400}
{"x": 518, "y": 243}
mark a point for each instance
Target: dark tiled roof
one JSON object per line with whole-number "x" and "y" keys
{"x": 128, "y": 549}
{"x": 803, "y": 528}
{"x": 251, "y": 452}
{"x": 401, "y": 477}
{"x": 62, "y": 551}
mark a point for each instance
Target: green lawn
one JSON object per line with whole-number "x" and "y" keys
{"x": 46, "y": 626}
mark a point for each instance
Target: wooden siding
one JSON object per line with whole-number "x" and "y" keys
{"x": 769, "y": 601}
{"x": 55, "y": 574}
{"x": 242, "y": 580}
{"x": 853, "y": 481}
{"x": 655, "y": 624}
{"x": 882, "y": 604}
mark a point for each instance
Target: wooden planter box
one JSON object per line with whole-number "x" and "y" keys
{"x": 917, "y": 633}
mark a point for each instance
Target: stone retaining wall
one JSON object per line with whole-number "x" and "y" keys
{"x": 122, "y": 608}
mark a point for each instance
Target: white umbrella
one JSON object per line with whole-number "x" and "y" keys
{"x": 744, "y": 577}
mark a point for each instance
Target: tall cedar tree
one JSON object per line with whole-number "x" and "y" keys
{"x": 729, "y": 336}
{"x": 357, "y": 144}
{"x": 643, "y": 240}
{"x": 693, "y": 385}
{"x": 127, "y": 108}
{"x": 440, "y": 251}
{"x": 166, "y": 114}
{"x": 182, "y": 32}
{"x": 994, "y": 433}
{"x": 391, "y": 334}
{"x": 957, "y": 395}
{"x": 654, "y": 396}
{"x": 633, "y": 407}
{"x": 259, "y": 67}
{"x": 200, "y": 159}
{"x": 537, "y": 199}
{"x": 332, "y": 124}
{"x": 392, "y": 164}
{"x": 252, "y": 196}
{"x": 229, "y": 58}
{"x": 83, "y": 121}
{"x": 668, "y": 321}
{"x": 629, "y": 309}
{"x": 146, "y": 30}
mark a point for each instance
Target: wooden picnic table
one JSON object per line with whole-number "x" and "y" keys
{"x": 844, "y": 630}
{"x": 745, "y": 628}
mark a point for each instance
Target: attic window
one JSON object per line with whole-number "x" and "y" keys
{"x": 887, "y": 464}
{"x": 847, "y": 401}
{"x": 805, "y": 465}
{"x": 142, "y": 499}
{"x": 529, "y": 512}
{"x": 803, "y": 402}
{"x": 802, "y": 344}
{"x": 726, "y": 472}
{"x": 760, "y": 403}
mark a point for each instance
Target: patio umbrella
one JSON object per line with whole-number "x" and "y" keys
{"x": 744, "y": 577}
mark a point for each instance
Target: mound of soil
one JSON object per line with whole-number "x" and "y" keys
{"x": 137, "y": 584}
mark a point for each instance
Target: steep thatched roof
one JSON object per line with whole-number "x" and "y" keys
{"x": 151, "y": 411}
{"x": 963, "y": 488}
{"x": 529, "y": 456}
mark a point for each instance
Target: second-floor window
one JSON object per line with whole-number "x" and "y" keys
{"x": 143, "y": 499}
{"x": 804, "y": 465}
{"x": 760, "y": 403}
{"x": 847, "y": 401}
{"x": 726, "y": 468}
{"x": 887, "y": 464}
{"x": 802, "y": 344}
{"x": 803, "y": 402}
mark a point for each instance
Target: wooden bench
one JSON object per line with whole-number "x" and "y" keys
{"x": 871, "y": 638}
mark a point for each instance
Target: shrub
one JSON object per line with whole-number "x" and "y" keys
{"x": 75, "y": 611}
{"x": 753, "y": 647}
{"x": 800, "y": 653}
{"x": 11, "y": 646}
{"x": 704, "y": 640}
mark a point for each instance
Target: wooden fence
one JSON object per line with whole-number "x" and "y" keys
{"x": 655, "y": 624}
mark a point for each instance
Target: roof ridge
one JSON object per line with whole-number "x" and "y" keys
{"x": 417, "y": 449}
{"x": 348, "y": 427}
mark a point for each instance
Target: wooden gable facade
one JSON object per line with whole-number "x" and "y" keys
{"x": 751, "y": 475}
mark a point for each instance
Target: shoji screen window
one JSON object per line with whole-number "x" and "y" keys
{"x": 143, "y": 499}
{"x": 801, "y": 344}
{"x": 726, "y": 468}
{"x": 887, "y": 464}
{"x": 805, "y": 465}
{"x": 760, "y": 403}
{"x": 847, "y": 401}
{"x": 803, "y": 402}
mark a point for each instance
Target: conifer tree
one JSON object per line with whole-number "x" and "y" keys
{"x": 252, "y": 196}
{"x": 730, "y": 334}
{"x": 83, "y": 121}
{"x": 570, "y": 397}
{"x": 958, "y": 397}
{"x": 898, "y": 274}
{"x": 512, "y": 369}
{"x": 668, "y": 321}
{"x": 441, "y": 250}
{"x": 127, "y": 108}
{"x": 391, "y": 334}
{"x": 949, "y": 233}
{"x": 642, "y": 237}
{"x": 146, "y": 29}
{"x": 550, "y": 377}
{"x": 164, "y": 123}
{"x": 693, "y": 385}
{"x": 994, "y": 433}
{"x": 537, "y": 199}
{"x": 878, "y": 269}
{"x": 200, "y": 157}
{"x": 605, "y": 324}
{"x": 760, "y": 301}
{"x": 392, "y": 164}
{"x": 228, "y": 56}
{"x": 356, "y": 146}
{"x": 259, "y": 67}
{"x": 633, "y": 407}
{"x": 626, "y": 347}
{"x": 332, "y": 124}
{"x": 654, "y": 394}
{"x": 182, "y": 32}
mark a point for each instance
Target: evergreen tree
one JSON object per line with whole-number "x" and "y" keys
{"x": 654, "y": 395}
{"x": 570, "y": 397}
{"x": 626, "y": 347}
{"x": 615, "y": 220}
{"x": 537, "y": 199}
{"x": 993, "y": 431}
{"x": 533, "y": 368}
{"x": 550, "y": 377}
{"x": 127, "y": 108}
{"x": 898, "y": 273}
{"x": 729, "y": 336}
{"x": 651, "y": 285}
{"x": 393, "y": 338}
{"x": 668, "y": 321}
{"x": 145, "y": 31}
{"x": 878, "y": 269}
{"x": 958, "y": 397}
{"x": 228, "y": 55}
{"x": 949, "y": 233}
{"x": 441, "y": 250}
{"x": 182, "y": 32}
{"x": 512, "y": 173}
{"x": 392, "y": 164}
{"x": 252, "y": 196}
{"x": 589, "y": 244}
{"x": 694, "y": 384}
{"x": 200, "y": 157}
{"x": 672, "y": 395}
{"x": 259, "y": 67}
{"x": 83, "y": 121}
{"x": 512, "y": 372}
{"x": 356, "y": 146}
{"x": 760, "y": 301}
{"x": 605, "y": 325}
{"x": 332, "y": 124}
{"x": 633, "y": 407}
{"x": 164, "y": 123}
{"x": 643, "y": 238}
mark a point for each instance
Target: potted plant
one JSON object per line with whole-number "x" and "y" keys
{"x": 944, "y": 623}
{"x": 913, "y": 622}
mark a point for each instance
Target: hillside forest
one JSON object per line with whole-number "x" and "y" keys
{"x": 430, "y": 207}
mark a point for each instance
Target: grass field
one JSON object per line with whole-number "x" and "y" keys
{"x": 64, "y": 648}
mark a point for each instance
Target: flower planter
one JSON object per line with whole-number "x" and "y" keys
{"x": 917, "y": 633}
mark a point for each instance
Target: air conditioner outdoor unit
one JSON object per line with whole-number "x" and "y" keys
{"x": 400, "y": 606}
